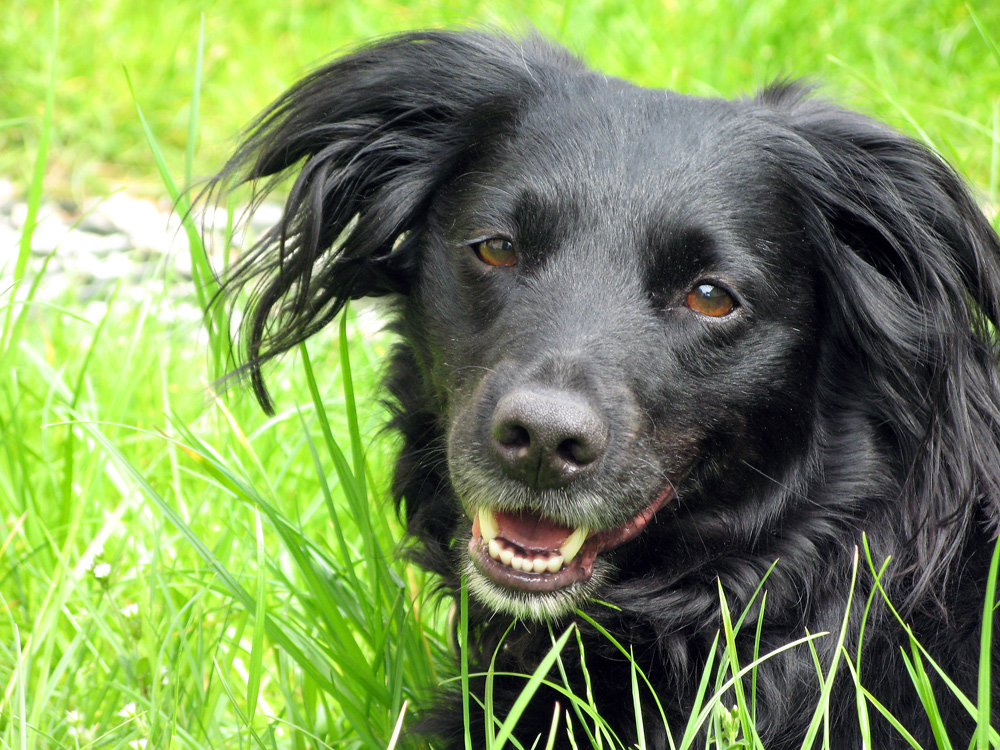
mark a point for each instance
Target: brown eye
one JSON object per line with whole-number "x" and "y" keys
{"x": 496, "y": 251}
{"x": 711, "y": 300}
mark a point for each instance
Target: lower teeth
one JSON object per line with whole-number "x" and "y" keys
{"x": 508, "y": 557}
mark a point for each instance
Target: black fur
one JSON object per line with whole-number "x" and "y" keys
{"x": 853, "y": 389}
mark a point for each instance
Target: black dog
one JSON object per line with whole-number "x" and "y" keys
{"x": 651, "y": 344}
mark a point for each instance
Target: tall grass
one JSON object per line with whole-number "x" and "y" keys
{"x": 178, "y": 571}
{"x": 897, "y": 58}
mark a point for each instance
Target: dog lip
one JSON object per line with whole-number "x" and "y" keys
{"x": 617, "y": 536}
{"x": 578, "y": 570}
{"x": 582, "y": 566}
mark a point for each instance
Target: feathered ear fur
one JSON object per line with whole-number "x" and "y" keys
{"x": 912, "y": 285}
{"x": 373, "y": 135}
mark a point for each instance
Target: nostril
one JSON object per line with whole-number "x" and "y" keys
{"x": 576, "y": 452}
{"x": 512, "y": 436}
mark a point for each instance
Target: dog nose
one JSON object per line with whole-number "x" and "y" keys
{"x": 545, "y": 438}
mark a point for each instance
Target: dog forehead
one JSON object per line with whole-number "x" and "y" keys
{"x": 629, "y": 167}
{"x": 606, "y": 147}
{"x": 610, "y": 130}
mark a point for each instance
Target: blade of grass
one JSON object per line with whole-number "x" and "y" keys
{"x": 488, "y": 691}
{"x": 578, "y": 712}
{"x": 353, "y": 483}
{"x": 357, "y": 455}
{"x": 230, "y": 584}
{"x": 192, "y": 136}
{"x": 205, "y": 284}
{"x": 734, "y": 666}
{"x": 625, "y": 652}
{"x": 357, "y": 450}
{"x": 348, "y": 613}
{"x": 553, "y": 727}
{"x": 352, "y": 488}
{"x": 820, "y": 716}
{"x": 227, "y": 688}
{"x": 753, "y": 597}
{"x": 588, "y": 687}
{"x": 877, "y": 578}
{"x": 863, "y": 718}
{"x": 573, "y": 699}
{"x": 920, "y": 678}
{"x": 260, "y": 621}
{"x": 696, "y": 721}
{"x": 496, "y": 721}
{"x": 463, "y": 642}
{"x": 887, "y": 715}
{"x": 991, "y": 43}
{"x": 398, "y": 728}
{"x": 11, "y": 326}
{"x": 69, "y": 478}
{"x": 985, "y": 653}
{"x": 346, "y": 551}
{"x": 526, "y": 694}
{"x": 352, "y": 682}
{"x": 756, "y": 655}
{"x": 640, "y": 730}
{"x": 16, "y": 692}
{"x": 949, "y": 683}
{"x": 691, "y": 729}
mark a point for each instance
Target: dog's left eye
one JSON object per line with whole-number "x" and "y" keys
{"x": 711, "y": 300}
{"x": 496, "y": 251}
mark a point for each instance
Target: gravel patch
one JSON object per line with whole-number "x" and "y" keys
{"x": 86, "y": 251}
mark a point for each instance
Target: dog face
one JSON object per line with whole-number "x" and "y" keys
{"x": 618, "y": 314}
{"x": 648, "y": 340}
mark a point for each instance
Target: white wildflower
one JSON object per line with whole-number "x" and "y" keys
{"x": 130, "y": 711}
{"x": 83, "y": 735}
{"x": 90, "y": 559}
{"x": 102, "y": 571}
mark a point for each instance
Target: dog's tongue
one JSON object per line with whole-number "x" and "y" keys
{"x": 531, "y": 532}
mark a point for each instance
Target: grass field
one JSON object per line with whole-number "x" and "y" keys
{"x": 176, "y": 569}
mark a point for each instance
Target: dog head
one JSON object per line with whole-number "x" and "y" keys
{"x": 634, "y": 323}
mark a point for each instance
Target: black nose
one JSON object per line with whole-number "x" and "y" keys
{"x": 545, "y": 438}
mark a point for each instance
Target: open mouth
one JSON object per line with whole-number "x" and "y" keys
{"x": 529, "y": 552}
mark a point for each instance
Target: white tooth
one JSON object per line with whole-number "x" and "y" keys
{"x": 515, "y": 562}
{"x": 527, "y": 565}
{"x": 494, "y": 549}
{"x": 573, "y": 543}
{"x": 506, "y": 555}
{"x": 555, "y": 563}
{"x": 539, "y": 565}
{"x": 488, "y": 524}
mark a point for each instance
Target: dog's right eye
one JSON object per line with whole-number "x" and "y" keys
{"x": 710, "y": 300}
{"x": 496, "y": 251}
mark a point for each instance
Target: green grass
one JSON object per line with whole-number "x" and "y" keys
{"x": 908, "y": 61}
{"x": 178, "y": 569}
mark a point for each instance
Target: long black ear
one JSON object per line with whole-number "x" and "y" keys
{"x": 373, "y": 136}
{"x": 912, "y": 285}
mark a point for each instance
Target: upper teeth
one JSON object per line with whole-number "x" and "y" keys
{"x": 489, "y": 529}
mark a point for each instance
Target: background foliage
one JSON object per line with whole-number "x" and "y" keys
{"x": 178, "y": 571}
